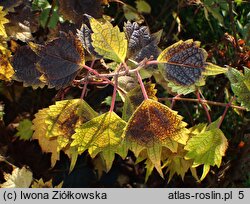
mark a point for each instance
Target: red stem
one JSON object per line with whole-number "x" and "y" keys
{"x": 204, "y": 106}
{"x": 84, "y": 88}
{"x": 114, "y": 94}
{"x": 90, "y": 69}
{"x": 225, "y": 111}
{"x": 203, "y": 101}
{"x": 173, "y": 101}
{"x": 86, "y": 82}
{"x": 144, "y": 92}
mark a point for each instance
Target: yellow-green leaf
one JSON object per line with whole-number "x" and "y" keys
{"x": 212, "y": 69}
{"x": 3, "y": 21}
{"x": 64, "y": 117}
{"x": 176, "y": 163}
{"x": 42, "y": 184}
{"x": 108, "y": 41}
{"x": 154, "y": 155}
{"x": 46, "y": 144}
{"x": 102, "y": 134}
{"x": 55, "y": 125}
{"x": 6, "y": 70}
{"x": 135, "y": 97}
{"x": 240, "y": 84}
{"x": 25, "y": 129}
{"x": 207, "y": 148}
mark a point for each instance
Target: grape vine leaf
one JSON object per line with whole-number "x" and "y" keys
{"x": 240, "y": 84}
{"x": 46, "y": 144}
{"x": 184, "y": 65}
{"x": 22, "y": 22}
{"x": 177, "y": 164}
{"x": 141, "y": 43}
{"x": 24, "y": 64}
{"x": 152, "y": 127}
{"x": 134, "y": 98}
{"x": 59, "y": 122}
{"x": 64, "y": 117}
{"x": 42, "y": 184}
{"x": 102, "y": 134}
{"x": 3, "y": 21}
{"x": 60, "y": 60}
{"x": 84, "y": 35}
{"x": 6, "y": 70}
{"x": 19, "y": 178}
{"x": 108, "y": 41}
{"x": 206, "y": 146}
{"x": 153, "y": 121}
{"x": 24, "y": 129}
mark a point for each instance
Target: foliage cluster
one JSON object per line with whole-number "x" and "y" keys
{"x": 103, "y": 90}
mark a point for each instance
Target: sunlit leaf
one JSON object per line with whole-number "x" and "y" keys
{"x": 141, "y": 44}
{"x": 184, "y": 62}
{"x": 184, "y": 66}
{"x": 108, "y": 41}
{"x": 102, "y": 134}
{"x": 176, "y": 164}
{"x": 6, "y": 70}
{"x": 19, "y": 178}
{"x": 212, "y": 69}
{"x": 64, "y": 117}
{"x": 126, "y": 84}
{"x": 206, "y": 147}
{"x": 152, "y": 121}
{"x": 48, "y": 184}
{"x": 24, "y": 129}
{"x": 22, "y": 23}
{"x": 84, "y": 35}
{"x": 23, "y": 63}
{"x": 135, "y": 97}
{"x": 60, "y": 60}
{"x": 149, "y": 168}
{"x": 59, "y": 122}
{"x": 3, "y": 21}
{"x": 46, "y": 144}
{"x": 152, "y": 127}
{"x": 240, "y": 84}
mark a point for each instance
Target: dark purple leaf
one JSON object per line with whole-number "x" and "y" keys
{"x": 60, "y": 60}
{"x": 24, "y": 64}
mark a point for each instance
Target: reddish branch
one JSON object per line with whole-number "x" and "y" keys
{"x": 114, "y": 94}
{"x": 225, "y": 111}
{"x": 204, "y": 106}
{"x": 203, "y": 101}
{"x": 94, "y": 76}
